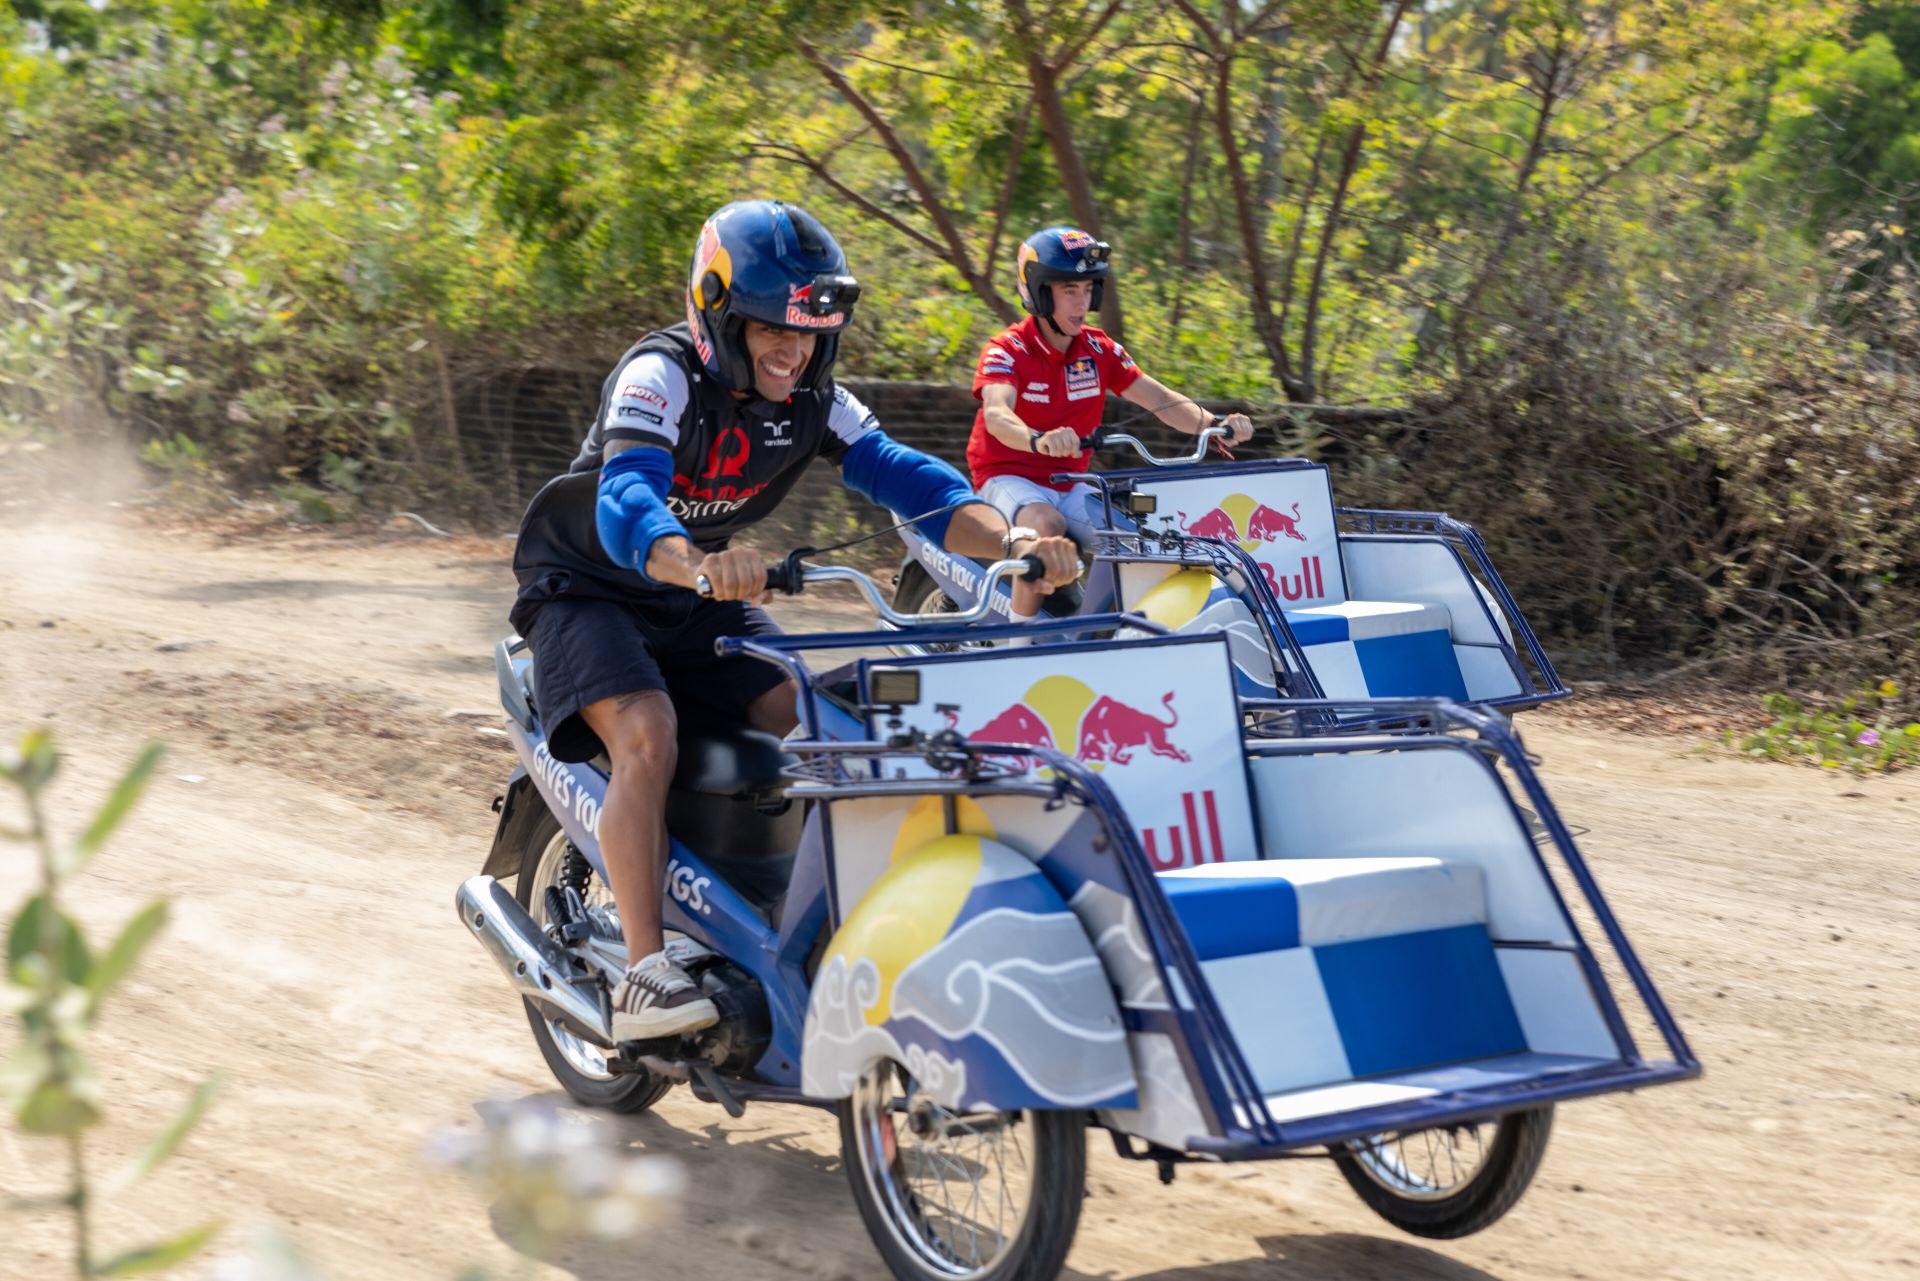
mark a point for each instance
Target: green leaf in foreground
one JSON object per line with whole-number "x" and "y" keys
{"x": 118, "y": 959}
{"x": 168, "y": 1139}
{"x": 23, "y": 945}
{"x": 125, "y": 794}
{"x": 152, "y": 1258}
{"x": 58, "y": 1107}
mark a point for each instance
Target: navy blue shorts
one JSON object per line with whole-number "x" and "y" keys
{"x": 586, "y": 649}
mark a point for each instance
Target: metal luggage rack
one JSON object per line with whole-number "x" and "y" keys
{"x": 1323, "y": 717}
{"x": 845, "y": 769}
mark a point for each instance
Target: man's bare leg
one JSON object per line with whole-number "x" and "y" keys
{"x": 1048, "y": 523}
{"x": 639, "y": 730}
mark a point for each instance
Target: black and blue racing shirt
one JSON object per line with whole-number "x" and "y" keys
{"x": 733, "y": 461}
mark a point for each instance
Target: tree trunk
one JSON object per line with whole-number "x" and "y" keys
{"x": 1265, "y": 322}
{"x": 1185, "y": 276}
{"x": 1073, "y": 172}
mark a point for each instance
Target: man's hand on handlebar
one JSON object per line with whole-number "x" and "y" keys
{"x": 1061, "y": 556}
{"x": 1061, "y": 442}
{"x": 738, "y": 573}
{"x": 1239, "y": 424}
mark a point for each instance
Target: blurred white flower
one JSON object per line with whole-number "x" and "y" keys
{"x": 559, "y": 1173}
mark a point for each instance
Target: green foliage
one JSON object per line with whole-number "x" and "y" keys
{"x": 57, "y": 985}
{"x": 1858, "y": 735}
{"x": 1843, "y": 137}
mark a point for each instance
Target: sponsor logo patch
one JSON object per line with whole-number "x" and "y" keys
{"x": 640, "y": 391}
{"x": 1083, "y": 378}
{"x": 634, "y": 411}
{"x": 800, "y": 313}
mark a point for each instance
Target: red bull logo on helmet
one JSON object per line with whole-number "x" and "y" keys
{"x": 1067, "y": 715}
{"x": 1255, "y": 526}
{"x": 1073, "y": 238}
{"x": 800, "y": 314}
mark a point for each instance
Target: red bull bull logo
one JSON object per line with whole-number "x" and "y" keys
{"x": 1253, "y": 526}
{"x": 1058, "y": 711}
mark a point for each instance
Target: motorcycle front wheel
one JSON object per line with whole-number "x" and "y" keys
{"x": 946, "y": 1196}
{"x": 578, "y": 1065}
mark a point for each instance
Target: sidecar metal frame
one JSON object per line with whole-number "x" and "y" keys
{"x": 1520, "y": 649}
{"x": 1102, "y": 844}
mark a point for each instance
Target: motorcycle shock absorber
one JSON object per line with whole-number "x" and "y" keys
{"x": 575, "y": 872}
{"x": 566, "y": 901}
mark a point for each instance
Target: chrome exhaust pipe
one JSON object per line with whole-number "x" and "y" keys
{"x": 536, "y": 966}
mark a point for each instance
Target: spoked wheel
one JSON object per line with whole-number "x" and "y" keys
{"x": 923, "y": 596}
{"x": 1451, "y": 1181}
{"x": 579, "y": 1065}
{"x": 981, "y": 1196}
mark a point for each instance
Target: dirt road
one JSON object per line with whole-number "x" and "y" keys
{"x": 318, "y": 806}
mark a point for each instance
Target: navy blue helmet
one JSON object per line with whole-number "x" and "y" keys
{"x": 771, "y": 262}
{"x": 1059, "y": 253}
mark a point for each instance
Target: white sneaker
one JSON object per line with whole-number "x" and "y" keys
{"x": 656, "y": 999}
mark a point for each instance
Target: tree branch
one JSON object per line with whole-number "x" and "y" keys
{"x": 1349, "y": 163}
{"x": 862, "y": 203}
{"x": 1016, "y": 151}
{"x": 1072, "y": 52}
{"x": 955, "y": 251}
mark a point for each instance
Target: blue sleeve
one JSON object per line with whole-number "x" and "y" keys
{"x": 882, "y": 470}
{"x": 631, "y": 513}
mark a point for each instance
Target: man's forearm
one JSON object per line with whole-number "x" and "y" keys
{"x": 976, "y": 530}
{"x": 672, "y": 560}
{"x": 1184, "y": 414}
{"x": 1005, "y": 426}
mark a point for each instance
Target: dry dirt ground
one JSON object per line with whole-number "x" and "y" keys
{"x": 318, "y": 806}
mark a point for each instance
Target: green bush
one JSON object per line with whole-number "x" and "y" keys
{"x": 1858, "y": 735}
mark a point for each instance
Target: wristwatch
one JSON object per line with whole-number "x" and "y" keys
{"x": 1033, "y": 439}
{"x": 1014, "y": 535}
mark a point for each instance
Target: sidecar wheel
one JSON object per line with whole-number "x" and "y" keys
{"x": 579, "y": 1066}
{"x": 986, "y": 1196}
{"x": 1448, "y": 1182}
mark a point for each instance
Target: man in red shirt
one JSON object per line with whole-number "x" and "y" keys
{"x": 1042, "y": 384}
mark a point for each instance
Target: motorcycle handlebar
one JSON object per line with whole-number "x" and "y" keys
{"x": 1102, "y": 438}
{"x": 791, "y": 577}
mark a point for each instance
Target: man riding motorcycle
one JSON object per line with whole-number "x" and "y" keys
{"x": 1042, "y": 386}
{"x": 702, "y": 429}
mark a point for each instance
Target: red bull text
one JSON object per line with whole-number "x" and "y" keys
{"x": 1174, "y": 846}
{"x": 1239, "y": 519}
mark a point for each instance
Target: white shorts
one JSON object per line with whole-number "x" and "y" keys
{"x": 1080, "y": 506}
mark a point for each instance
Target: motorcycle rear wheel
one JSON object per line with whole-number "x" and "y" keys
{"x": 579, "y": 1066}
{"x": 934, "y": 1188}
{"x": 1452, "y": 1181}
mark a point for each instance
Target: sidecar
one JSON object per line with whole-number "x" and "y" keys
{"x": 1316, "y": 601}
{"x": 991, "y": 896}
{"x": 1061, "y": 880}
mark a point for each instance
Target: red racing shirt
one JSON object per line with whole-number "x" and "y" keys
{"x": 1052, "y": 389}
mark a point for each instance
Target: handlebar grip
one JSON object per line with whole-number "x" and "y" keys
{"x": 784, "y": 578}
{"x": 1096, "y": 439}
{"x": 1035, "y": 569}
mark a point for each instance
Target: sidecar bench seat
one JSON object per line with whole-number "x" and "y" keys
{"x": 1380, "y": 649}
{"x": 1331, "y": 969}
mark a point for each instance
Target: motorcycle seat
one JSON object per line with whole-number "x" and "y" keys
{"x": 731, "y": 760}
